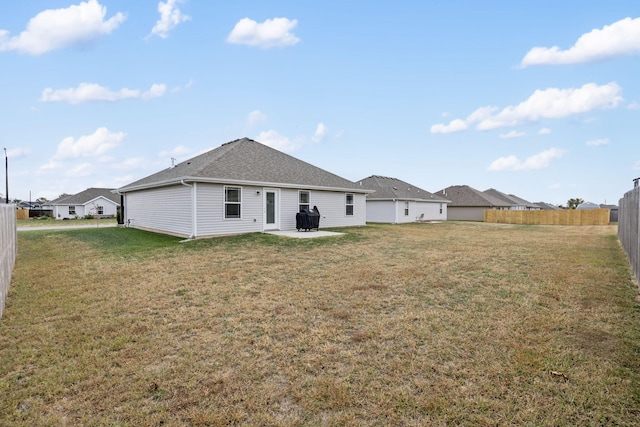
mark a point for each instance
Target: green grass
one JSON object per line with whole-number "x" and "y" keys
{"x": 419, "y": 324}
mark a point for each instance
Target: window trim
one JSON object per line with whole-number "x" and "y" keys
{"x": 406, "y": 208}
{"x": 300, "y": 204}
{"x": 225, "y": 203}
{"x": 349, "y": 205}
{"x": 72, "y": 210}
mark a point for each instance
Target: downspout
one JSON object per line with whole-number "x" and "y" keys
{"x": 395, "y": 211}
{"x": 194, "y": 213}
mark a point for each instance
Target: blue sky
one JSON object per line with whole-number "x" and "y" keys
{"x": 538, "y": 99}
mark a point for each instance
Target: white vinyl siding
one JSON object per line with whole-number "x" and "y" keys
{"x": 390, "y": 211}
{"x": 166, "y": 209}
{"x": 330, "y": 204}
{"x": 169, "y": 210}
{"x": 210, "y": 211}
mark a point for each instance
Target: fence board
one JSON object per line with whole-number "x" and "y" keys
{"x": 628, "y": 220}
{"x": 559, "y": 217}
{"x": 8, "y": 249}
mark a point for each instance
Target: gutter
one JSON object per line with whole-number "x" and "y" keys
{"x": 195, "y": 179}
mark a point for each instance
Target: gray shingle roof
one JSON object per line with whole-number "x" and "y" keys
{"x": 509, "y": 198}
{"x": 246, "y": 161}
{"x": 465, "y": 196}
{"x": 392, "y": 188}
{"x": 547, "y": 206}
{"x": 86, "y": 196}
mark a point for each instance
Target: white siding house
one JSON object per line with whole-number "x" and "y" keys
{"x": 396, "y": 202}
{"x": 100, "y": 202}
{"x": 240, "y": 187}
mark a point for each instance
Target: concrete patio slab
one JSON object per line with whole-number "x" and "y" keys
{"x": 304, "y": 234}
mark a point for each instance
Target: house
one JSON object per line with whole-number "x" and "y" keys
{"x": 100, "y": 202}
{"x": 587, "y": 206}
{"x": 242, "y": 186}
{"x": 547, "y": 206}
{"x": 517, "y": 203}
{"x": 395, "y": 201}
{"x": 469, "y": 204}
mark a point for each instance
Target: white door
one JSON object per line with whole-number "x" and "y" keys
{"x": 271, "y": 209}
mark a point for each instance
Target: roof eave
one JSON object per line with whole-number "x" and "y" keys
{"x": 177, "y": 181}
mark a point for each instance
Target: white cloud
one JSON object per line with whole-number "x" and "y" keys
{"x": 320, "y": 133}
{"x": 273, "y": 139}
{"x": 554, "y": 103}
{"x": 456, "y": 125}
{"x": 620, "y": 38}
{"x": 512, "y": 134}
{"x": 58, "y": 28}
{"x": 131, "y": 163}
{"x": 51, "y": 165}
{"x": 271, "y": 33}
{"x": 537, "y": 161}
{"x": 170, "y": 17}
{"x": 84, "y": 169}
{"x": 18, "y": 152}
{"x": 597, "y": 142}
{"x": 544, "y": 131}
{"x": 256, "y": 117}
{"x": 94, "y": 145}
{"x": 633, "y": 106}
{"x": 551, "y": 103}
{"x": 179, "y": 151}
{"x": 87, "y": 92}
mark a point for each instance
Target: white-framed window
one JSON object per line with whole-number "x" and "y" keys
{"x": 304, "y": 200}
{"x": 406, "y": 208}
{"x": 440, "y": 208}
{"x": 72, "y": 210}
{"x": 349, "y": 204}
{"x": 232, "y": 202}
{"x": 100, "y": 210}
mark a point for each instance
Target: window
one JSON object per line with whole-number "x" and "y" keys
{"x": 441, "y": 208}
{"x": 406, "y": 208}
{"x": 99, "y": 210}
{"x": 72, "y": 210}
{"x": 303, "y": 200}
{"x": 232, "y": 199}
{"x": 349, "y": 204}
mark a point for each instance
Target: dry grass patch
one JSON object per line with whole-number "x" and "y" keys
{"x": 423, "y": 324}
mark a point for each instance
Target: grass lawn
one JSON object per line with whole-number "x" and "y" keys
{"x": 420, "y": 324}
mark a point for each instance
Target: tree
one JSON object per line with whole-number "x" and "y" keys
{"x": 42, "y": 200}
{"x": 573, "y": 203}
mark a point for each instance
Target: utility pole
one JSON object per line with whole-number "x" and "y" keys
{"x": 6, "y": 175}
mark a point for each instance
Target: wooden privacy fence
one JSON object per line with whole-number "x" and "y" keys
{"x": 8, "y": 249}
{"x": 628, "y": 220}
{"x": 549, "y": 217}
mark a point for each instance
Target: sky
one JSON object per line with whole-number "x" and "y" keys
{"x": 537, "y": 99}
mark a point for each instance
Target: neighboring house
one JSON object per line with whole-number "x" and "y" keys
{"x": 469, "y": 204}
{"x": 395, "y": 201}
{"x": 100, "y": 202}
{"x": 547, "y": 206}
{"x": 28, "y": 205}
{"x": 587, "y": 206}
{"x": 516, "y": 203}
{"x": 242, "y": 186}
